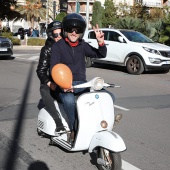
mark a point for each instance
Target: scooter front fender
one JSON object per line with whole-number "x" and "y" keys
{"x": 108, "y": 140}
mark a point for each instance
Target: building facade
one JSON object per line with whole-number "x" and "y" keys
{"x": 148, "y": 3}
{"x": 80, "y": 6}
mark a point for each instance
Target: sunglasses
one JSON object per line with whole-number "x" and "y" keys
{"x": 57, "y": 34}
{"x": 76, "y": 30}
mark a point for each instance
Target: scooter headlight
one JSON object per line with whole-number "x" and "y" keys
{"x": 103, "y": 124}
{"x": 97, "y": 83}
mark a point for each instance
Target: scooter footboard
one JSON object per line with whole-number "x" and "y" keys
{"x": 108, "y": 140}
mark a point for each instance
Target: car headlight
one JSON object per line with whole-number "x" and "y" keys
{"x": 151, "y": 50}
{"x": 97, "y": 83}
{"x": 155, "y": 60}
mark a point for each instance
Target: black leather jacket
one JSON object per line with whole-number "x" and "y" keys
{"x": 43, "y": 68}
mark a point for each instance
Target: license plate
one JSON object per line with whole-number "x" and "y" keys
{"x": 3, "y": 49}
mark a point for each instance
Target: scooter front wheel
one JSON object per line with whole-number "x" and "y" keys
{"x": 108, "y": 160}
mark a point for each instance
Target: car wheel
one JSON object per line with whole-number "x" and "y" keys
{"x": 134, "y": 65}
{"x": 88, "y": 62}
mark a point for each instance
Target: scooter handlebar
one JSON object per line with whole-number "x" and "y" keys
{"x": 110, "y": 85}
{"x": 96, "y": 83}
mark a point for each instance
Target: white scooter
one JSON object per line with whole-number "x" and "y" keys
{"x": 96, "y": 120}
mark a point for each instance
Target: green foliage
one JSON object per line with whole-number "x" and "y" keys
{"x": 36, "y": 42}
{"x": 97, "y": 14}
{"x": 16, "y": 41}
{"x": 157, "y": 13}
{"x": 153, "y": 29}
{"x": 139, "y": 11}
{"x": 153, "y": 22}
{"x": 60, "y": 16}
{"x": 9, "y": 35}
{"x": 129, "y": 23}
{"x": 165, "y": 38}
{"x": 109, "y": 14}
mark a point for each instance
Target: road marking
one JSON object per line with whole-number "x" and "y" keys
{"x": 19, "y": 54}
{"x": 33, "y": 58}
{"x": 30, "y": 58}
{"x": 21, "y": 58}
{"x": 128, "y": 166}
{"x": 121, "y": 108}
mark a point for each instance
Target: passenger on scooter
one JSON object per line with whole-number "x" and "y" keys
{"x": 47, "y": 86}
{"x": 71, "y": 50}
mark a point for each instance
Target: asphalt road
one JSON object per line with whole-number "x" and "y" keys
{"x": 143, "y": 100}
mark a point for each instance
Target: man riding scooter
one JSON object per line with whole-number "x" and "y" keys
{"x": 71, "y": 51}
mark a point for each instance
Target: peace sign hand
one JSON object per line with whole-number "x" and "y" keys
{"x": 99, "y": 34}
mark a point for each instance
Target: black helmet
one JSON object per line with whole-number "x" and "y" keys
{"x": 74, "y": 20}
{"x": 53, "y": 26}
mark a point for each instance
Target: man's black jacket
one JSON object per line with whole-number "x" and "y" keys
{"x": 74, "y": 57}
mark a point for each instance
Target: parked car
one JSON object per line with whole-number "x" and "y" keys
{"x": 131, "y": 49}
{"x": 6, "y": 47}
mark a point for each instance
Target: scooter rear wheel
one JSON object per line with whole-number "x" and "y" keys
{"x": 108, "y": 160}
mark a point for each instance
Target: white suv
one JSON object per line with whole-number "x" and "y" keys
{"x": 131, "y": 49}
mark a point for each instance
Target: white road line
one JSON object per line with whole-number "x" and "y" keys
{"x": 19, "y": 54}
{"x": 33, "y": 58}
{"x": 127, "y": 166}
{"x": 22, "y": 58}
{"x": 121, "y": 108}
{"x": 30, "y": 58}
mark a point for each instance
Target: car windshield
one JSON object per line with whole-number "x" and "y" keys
{"x": 136, "y": 36}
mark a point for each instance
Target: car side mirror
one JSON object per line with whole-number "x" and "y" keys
{"x": 121, "y": 39}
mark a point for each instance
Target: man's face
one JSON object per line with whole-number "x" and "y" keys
{"x": 73, "y": 34}
{"x": 57, "y": 34}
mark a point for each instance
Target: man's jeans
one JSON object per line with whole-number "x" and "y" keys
{"x": 68, "y": 100}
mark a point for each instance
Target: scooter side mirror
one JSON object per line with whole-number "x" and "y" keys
{"x": 118, "y": 118}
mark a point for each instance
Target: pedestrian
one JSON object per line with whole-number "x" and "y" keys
{"x": 37, "y": 31}
{"x": 33, "y": 33}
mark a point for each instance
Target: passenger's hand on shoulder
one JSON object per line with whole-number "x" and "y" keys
{"x": 99, "y": 34}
